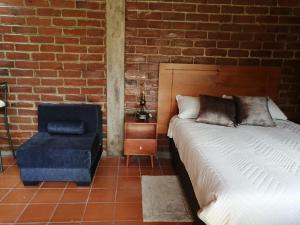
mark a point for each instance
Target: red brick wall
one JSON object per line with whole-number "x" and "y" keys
{"x": 236, "y": 32}
{"x": 51, "y": 51}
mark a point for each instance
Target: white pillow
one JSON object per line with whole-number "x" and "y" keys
{"x": 188, "y": 106}
{"x": 2, "y": 104}
{"x": 275, "y": 111}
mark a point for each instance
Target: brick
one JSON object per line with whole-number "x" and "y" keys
{"x": 40, "y": 3}
{"x": 38, "y": 21}
{"x": 65, "y": 40}
{"x": 73, "y": 13}
{"x": 26, "y": 47}
{"x": 243, "y": 19}
{"x": 52, "y": 82}
{"x": 256, "y": 10}
{"x": 238, "y": 53}
{"x": 12, "y": 20}
{"x": 174, "y": 16}
{"x": 27, "y": 64}
{"x": 52, "y": 98}
{"x": 70, "y": 73}
{"x": 50, "y": 31}
{"x": 43, "y": 56}
{"x": 220, "y": 18}
{"x": 215, "y": 52}
{"x": 13, "y": 2}
{"x": 193, "y": 51}
{"x": 195, "y": 17}
{"x": 64, "y": 22}
{"x": 25, "y": 30}
{"x": 48, "y": 12}
{"x": 75, "y": 48}
{"x": 169, "y": 51}
{"x": 51, "y": 65}
{"x": 15, "y": 38}
{"x": 195, "y": 34}
{"x": 62, "y": 3}
{"x": 68, "y": 90}
{"x": 232, "y": 9}
{"x": 74, "y": 82}
{"x": 160, "y": 6}
{"x": 67, "y": 57}
{"x": 184, "y": 7}
{"x": 267, "y": 19}
{"x": 17, "y": 55}
{"x": 87, "y": 5}
{"x": 51, "y": 48}
{"x": 41, "y": 39}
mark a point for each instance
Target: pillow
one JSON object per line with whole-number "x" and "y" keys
{"x": 217, "y": 110}
{"x": 66, "y": 127}
{"x": 275, "y": 111}
{"x": 2, "y": 104}
{"x": 188, "y": 106}
{"x": 253, "y": 111}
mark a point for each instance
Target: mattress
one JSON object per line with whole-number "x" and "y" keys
{"x": 249, "y": 175}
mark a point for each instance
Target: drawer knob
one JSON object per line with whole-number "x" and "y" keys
{"x": 141, "y": 147}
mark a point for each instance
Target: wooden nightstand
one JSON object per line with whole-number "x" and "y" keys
{"x": 140, "y": 138}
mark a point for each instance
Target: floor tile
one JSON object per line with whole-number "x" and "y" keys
{"x": 54, "y": 184}
{"x": 9, "y": 213}
{"x": 129, "y": 223}
{"x": 3, "y": 192}
{"x": 129, "y": 182}
{"x": 107, "y": 171}
{"x": 12, "y": 171}
{"x": 19, "y": 196}
{"x": 8, "y": 160}
{"x": 98, "y": 223}
{"x": 104, "y": 182}
{"x": 129, "y": 171}
{"x": 9, "y": 181}
{"x": 56, "y": 223}
{"x": 47, "y": 196}
{"x": 75, "y": 195}
{"x": 151, "y": 171}
{"x": 129, "y": 195}
{"x": 37, "y": 213}
{"x": 129, "y": 211}
{"x": 102, "y": 195}
{"x": 68, "y": 213}
{"x": 99, "y": 212}
{"x": 109, "y": 161}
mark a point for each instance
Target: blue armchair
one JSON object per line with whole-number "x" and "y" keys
{"x": 67, "y": 147}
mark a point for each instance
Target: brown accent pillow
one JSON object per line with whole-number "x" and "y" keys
{"x": 217, "y": 110}
{"x": 253, "y": 111}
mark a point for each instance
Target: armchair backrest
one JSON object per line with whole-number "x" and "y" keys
{"x": 90, "y": 114}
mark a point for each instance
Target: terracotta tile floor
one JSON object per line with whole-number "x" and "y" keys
{"x": 114, "y": 198}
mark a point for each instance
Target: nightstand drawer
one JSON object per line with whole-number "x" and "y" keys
{"x": 140, "y": 147}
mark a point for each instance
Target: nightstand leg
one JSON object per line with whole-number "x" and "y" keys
{"x": 151, "y": 157}
{"x": 127, "y": 160}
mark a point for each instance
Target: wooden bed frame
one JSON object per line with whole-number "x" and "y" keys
{"x": 196, "y": 79}
{"x": 193, "y": 80}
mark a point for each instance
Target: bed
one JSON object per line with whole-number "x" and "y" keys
{"x": 248, "y": 175}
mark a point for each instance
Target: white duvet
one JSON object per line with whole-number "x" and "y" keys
{"x": 248, "y": 175}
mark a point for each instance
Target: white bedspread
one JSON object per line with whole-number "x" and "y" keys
{"x": 248, "y": 175}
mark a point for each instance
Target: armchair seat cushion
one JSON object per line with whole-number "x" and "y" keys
{"x": 58, "y": 151}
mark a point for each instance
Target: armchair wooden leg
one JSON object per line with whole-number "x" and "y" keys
{"x": 127, "y": 160}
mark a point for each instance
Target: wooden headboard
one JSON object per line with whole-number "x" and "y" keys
{"x": 196, "y": 79}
